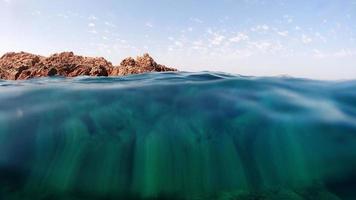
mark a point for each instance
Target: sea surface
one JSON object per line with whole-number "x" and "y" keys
{"x": 178, "y": 136}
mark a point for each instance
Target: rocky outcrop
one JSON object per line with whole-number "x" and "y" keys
{"x": 19, "y": 66}
{"x": 140, "y": 65}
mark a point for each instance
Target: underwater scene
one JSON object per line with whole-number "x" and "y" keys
{"x": 178, "y": 135}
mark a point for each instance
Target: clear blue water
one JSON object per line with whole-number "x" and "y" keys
{"x": 178, "y": 136}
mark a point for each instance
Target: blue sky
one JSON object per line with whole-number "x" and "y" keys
{"x": 304, "y": 38}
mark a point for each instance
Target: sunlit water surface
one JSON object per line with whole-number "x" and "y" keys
{"x": 178, "y": 136}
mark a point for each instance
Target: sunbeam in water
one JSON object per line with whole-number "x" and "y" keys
{"x": 177, "y": 136}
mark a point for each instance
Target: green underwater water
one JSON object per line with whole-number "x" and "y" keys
{"x": 178, "y": 136}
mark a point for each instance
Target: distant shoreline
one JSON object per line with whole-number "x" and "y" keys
{"x": 22, "y": 66}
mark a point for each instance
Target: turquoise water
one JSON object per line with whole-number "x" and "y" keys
{"x": 178, "y": 136}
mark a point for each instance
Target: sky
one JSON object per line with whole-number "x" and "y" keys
{"x": 302, "y": 38}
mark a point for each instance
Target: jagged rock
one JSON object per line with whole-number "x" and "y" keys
{"x": 142, "y": 64}
{"x": 98, "y": 71}
{"x": 128, "y": 62}
{"x": 19, "y": 66}
{"x": 52, "y": 72}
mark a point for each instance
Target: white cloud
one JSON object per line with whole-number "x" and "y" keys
{"x": 178, "y": 43}
{"x": 266, "y": 46}
{"x": 196, "y": 20}
{"x": 198, "y": 43}
{"x": 92, "y": 18}
{"x": 263, "y": 45}
{"x": 210, "y": 31}
{"x": 217, "y": 39}
{"x": 36, "y": 13}
{"x": 283, "y": 33}
{"x": 306, "y": 39}
{"x": 239, "y": 37}
{"x": 91, "y": 25}
{"x": 321, "y": 37}
{"x": 240, "y": 53}
{"x": 289, "y": 19}
{"x": 63, "y": 16}
{"x": 344, "y": 53}
{"x": 318, "y": 54}
{"x": 336, "y": 54}
{"x": 109, "y": 24}
{"x": 260, "y": 28}
{"x": 93, "y": 32}
{"x": 149, "y": 25}
{"x": 265, "y": 27}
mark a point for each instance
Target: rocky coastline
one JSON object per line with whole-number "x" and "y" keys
{"x": 22, "y": 66}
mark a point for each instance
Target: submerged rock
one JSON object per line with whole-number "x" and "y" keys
{"x": 22, "y": 65}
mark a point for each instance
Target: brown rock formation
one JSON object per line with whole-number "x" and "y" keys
{"x": 140, "y": 65}
{"x": 19, "y": 66}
